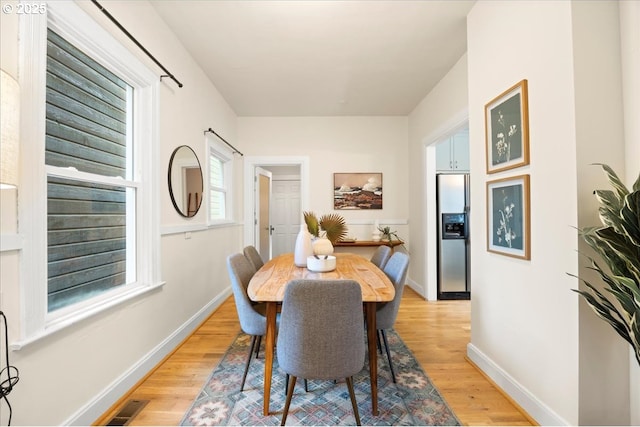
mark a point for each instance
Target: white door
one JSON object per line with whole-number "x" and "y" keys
{"x": 263, "y": 212}
{"x": 286, "y": 215}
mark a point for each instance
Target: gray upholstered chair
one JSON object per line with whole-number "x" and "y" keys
{"x": 381, "y": 256}
{"x": 396, "y": 269}
{"x": 252, "y": 319}
{"x": 321, "y": 334}
{"x": 253, "y": 256}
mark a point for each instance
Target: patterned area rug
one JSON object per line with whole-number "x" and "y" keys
{"x": 413, "y": 400}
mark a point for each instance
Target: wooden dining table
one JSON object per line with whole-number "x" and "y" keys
{"x": 268, "y": 284}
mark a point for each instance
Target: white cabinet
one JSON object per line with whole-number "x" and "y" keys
{"x": 453, "y": 153}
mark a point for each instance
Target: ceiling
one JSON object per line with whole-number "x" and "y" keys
{"x": 321, "y": 57}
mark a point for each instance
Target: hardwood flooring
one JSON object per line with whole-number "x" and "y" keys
{"x": 437, "y": 333}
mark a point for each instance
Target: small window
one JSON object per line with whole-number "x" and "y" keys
{"x": 219, "y": 191}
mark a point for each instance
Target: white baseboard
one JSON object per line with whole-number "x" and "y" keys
{"x": 416, "y": 287}
{"x": 540, "y": 412}
{"x": 97, "y": 406}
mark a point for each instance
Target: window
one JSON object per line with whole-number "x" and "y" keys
{"x": 219, "y": 189}
{"x": 90, "y": 222}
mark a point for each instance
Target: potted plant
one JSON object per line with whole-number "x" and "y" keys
{"x": 391, "y": 237}
{"x": 330, "y": 226}
{"x": 618, "y": 244}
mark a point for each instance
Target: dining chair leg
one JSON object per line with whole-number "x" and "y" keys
{"x": 379, "y": 341}
{"x": 288, "y": 401}
{"x": 386, "y": 347}
{"x": 246, "y": 366}
{"x": 354, "y": 404}
{"x": 258, "y": 346}
{"x": 286, "y": 384}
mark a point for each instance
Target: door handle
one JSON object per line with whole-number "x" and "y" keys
{"x": 270, "y": 228}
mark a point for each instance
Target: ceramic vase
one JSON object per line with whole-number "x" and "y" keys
{"x": 303, "y": 247}
{"x": 376, "y": 235}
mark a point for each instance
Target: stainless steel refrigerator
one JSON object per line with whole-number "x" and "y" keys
{"x": 453, "y": 236}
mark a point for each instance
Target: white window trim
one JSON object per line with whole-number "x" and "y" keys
{"x": 214, "y": 146}
{"x": 75, "y": 25}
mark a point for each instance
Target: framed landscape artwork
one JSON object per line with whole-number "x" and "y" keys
{"x": 357, "y": 190}
{"x": 507, "y": 129}
{"x": 508, "y": 217}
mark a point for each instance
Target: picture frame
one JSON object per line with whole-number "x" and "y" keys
{"x": 357, "y": 190}
{"x": 508, "y": 217}
{"x": 507, "y": 129}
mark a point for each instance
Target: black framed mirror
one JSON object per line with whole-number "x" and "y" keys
{"x": 185, "y": 181}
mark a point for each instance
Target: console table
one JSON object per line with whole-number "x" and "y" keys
{"x": 368, "y": 243}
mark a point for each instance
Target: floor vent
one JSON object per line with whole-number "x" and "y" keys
{"x": 127, "y": 413}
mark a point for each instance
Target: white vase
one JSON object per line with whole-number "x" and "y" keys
{"x": 303, "y": 247}
{"x": 377, "y": 234}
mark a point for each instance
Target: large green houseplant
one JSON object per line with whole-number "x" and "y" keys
{"x": 618, "y": 244}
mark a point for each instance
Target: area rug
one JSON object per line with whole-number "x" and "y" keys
{"x": 413, "y": 400}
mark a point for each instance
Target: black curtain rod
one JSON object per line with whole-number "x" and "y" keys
{"x": 235, "y": 150}
{"x": 133, "y": 39}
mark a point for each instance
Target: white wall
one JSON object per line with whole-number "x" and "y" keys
{"x": 443, "y": 108}
{"x": 575, "y": 119}
{"x": 524, "y": 316}
{"x": 74, "y": 375}
{"x": 604, "y": 387}
{"x": 630, "y": 53}
{"x": 340, "y": 144}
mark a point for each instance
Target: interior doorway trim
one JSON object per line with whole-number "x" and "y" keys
{"x": 250, "y": 164}
{"x": 451, "y": 126}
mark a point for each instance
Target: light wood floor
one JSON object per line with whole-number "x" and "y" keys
{"x": 437, "y": 333}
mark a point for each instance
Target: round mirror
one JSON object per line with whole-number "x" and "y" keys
{"x": 185, "y": 181}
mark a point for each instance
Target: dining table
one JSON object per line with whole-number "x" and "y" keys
{"x": 268, "y": 284}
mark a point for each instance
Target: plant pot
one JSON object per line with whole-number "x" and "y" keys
{"x": 321, "y": 264}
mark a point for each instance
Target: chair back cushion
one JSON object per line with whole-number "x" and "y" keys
{"x": 240, "y": 272}
{"x": 381, "y": 256}
{"x": 321, "y": 332}
{"x": 253, "y": 256}
{"x": 396, "y": 269}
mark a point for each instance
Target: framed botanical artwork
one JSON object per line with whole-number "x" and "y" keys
{"x": 508, "y": 217}
{"x": 357, "y": 190}
{"x": 507, "y": 129}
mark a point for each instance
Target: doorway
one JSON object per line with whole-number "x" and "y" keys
{"x": 287, "y": 199}
{"x": 286, "y": 212}
{"x": 450, "y": 128}
{"x": 264, "y": 229}
{"x": 282, "y": 222}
